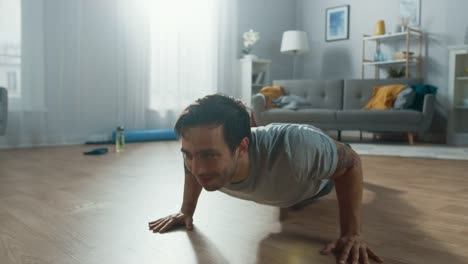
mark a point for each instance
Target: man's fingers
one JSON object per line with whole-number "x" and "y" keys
{"x": 158, "y": 227}
{"x": 363, "y": 256}
{"x": 373, "y": 256}
{"x": 155, "y": 223}
{"x": 152, "y": 222}
{"x": 328, "y": 248}
{"x": 345, "y": 252}
{"x": 168, "y": 225}
{"x": 161, "y": 225}
{"x": 355, "y": 257}
{"x": 351, "y": 250}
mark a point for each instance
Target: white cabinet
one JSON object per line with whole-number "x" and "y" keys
{"x": 254, "y": 74}
{"x": 392, "y": 42}
{"x": 457, "y": 129}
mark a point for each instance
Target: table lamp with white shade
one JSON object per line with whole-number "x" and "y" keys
{"x": 294, "y": 42}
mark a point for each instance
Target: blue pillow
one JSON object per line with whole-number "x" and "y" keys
{"x": 421, "y": 91}
{"x": 405, "y": 98}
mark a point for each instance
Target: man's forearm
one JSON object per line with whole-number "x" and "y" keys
{"x": 192, "y": 190}
{"x": 349, "y": 187}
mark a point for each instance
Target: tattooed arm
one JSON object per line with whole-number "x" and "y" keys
{"x": 349, "y": 184}
{"x": 349, "y": 181}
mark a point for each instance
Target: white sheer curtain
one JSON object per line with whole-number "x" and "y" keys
{"x": 26, "y": 115}
{"x": 10, "y": 47}
{"x": 190, "y": 52}
{"x": 89, "y": 66}
{"x": 11, "y": 52}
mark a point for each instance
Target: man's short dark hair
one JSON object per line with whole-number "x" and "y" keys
{"x": 218, "y": 109}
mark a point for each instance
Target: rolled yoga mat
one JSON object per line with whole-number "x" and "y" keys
{"x": 147, "y": 135}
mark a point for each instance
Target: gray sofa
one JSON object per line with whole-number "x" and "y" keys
{"x": 337, "y": 105}
{"x": 3, "y": 109}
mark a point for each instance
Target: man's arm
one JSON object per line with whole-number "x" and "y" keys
{"x": 349, "y": 184}
{"x": 192, "y": 190}
{"x": 349, "y": 187}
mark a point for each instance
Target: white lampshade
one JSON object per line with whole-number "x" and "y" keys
{"x": 294, "y": 42}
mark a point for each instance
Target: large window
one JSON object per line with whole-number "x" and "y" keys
{"x": 10, "y": 46}
{"x": 183, "y": 52}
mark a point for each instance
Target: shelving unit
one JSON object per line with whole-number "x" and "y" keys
{"x": 457, "y": 129}
{"x": 387, "y": 62}
{"x": 409, "y": 60}
{"x": 254, "y": 74}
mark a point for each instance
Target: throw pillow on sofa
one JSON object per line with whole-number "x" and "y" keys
{"x": 421, "y": 91}
{"x": 292, "y": 102}
{"x": 271, "y": 93}
{"x": 405, "y": 98}
{"x": 384, "y": 96}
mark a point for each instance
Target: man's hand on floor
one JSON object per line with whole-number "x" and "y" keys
{"x": 166, "y": 223}
{"x": 351, "y": 249}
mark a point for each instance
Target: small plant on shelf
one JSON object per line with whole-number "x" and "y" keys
{"x": 396, "y": 73}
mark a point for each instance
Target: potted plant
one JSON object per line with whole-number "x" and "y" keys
{"x": 249, "y": 39}
{"x": 396, "y": 73}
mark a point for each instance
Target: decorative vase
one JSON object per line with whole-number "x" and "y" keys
{"x": 250, "y": 56}
{"x": 397, "y": 28}
{"x": 380, "y": 28}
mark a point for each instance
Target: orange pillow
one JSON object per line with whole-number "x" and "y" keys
{"x": 271, "y": 93}
{"x": 383, "y": 97}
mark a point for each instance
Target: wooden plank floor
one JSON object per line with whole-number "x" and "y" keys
{"x": 59, "y": 206}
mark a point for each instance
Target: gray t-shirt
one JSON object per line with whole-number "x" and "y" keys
{"x": 288, "y": 162}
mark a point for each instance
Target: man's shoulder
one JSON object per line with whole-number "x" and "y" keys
{"x": 282, "y": 127}
{"x": 298, "y": 135}
{"x": 273, "y": 126}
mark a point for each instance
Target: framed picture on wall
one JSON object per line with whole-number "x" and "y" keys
{"x": 337, "y": 23}
{"x": 411, "y": 11}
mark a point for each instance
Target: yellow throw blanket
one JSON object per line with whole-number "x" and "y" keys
{"x": 271, "y": 93}
{"x": 383, "y": 97}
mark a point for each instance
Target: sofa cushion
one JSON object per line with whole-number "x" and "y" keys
{"x": 271, "y": 93}
{"x": 421, "y": 91}
{"x": 404, "y": 99}
{"x": 308, "y": 116}
{"x": 357, "y": 92}
{"x": 322, "y": 94}
{"x": 383, "y": 97}
{"x": 292, "y": 102}
{"x": 379, "y": 116}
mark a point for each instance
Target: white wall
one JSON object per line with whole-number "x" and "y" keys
{"x": 271, "y": 18}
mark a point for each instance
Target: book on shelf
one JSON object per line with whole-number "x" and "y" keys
{"x": 259, "y": 78}
{"x": 254, "y": 77}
